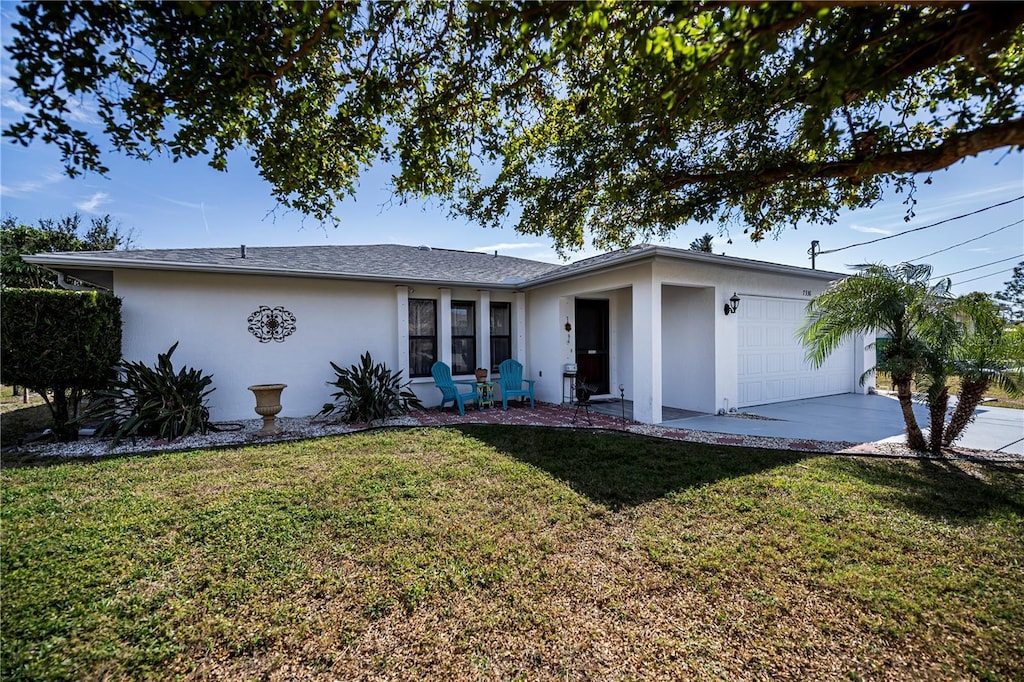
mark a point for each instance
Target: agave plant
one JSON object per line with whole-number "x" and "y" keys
{"x": 154, "y": 401}
{"x": 369, "y": 392}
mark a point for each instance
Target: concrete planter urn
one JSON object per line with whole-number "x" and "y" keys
{"x": 268, "y": 404}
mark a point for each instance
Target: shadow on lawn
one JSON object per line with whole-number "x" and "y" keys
{"x": 945, "y": 489}
{"x": 621, "y": 470}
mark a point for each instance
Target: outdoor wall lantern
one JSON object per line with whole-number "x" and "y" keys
{"x": 733, "y": 304}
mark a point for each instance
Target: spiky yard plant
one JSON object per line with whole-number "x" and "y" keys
{"x": 154, "y": 401}
{"x": 369, "y": 392}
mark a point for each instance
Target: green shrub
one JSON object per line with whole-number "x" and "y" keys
{"x": 60, "y": 344}
{"x": 154, "y": 401}
{"x": 368, "y": 392}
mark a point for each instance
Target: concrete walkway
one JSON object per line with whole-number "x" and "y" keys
{"x": 858, "y": 419}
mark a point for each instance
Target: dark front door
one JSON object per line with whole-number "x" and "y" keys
{"x": 592, "y": 343}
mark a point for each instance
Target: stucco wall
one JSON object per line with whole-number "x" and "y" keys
{"x": 207, "y": 314}
{"x": 679, "y": 351}
{"x": 695, "y": 343}
{"x": 550, "y": 347}
{"x": 688, "y": 343}
{"x": 744, "y": 282}
{"x": 335, "y": 321}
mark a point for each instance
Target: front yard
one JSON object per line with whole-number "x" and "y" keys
{"x": 504, "y": 552}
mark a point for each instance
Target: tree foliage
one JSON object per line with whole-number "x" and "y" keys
{"x": 60, "y": 344}
{"x": 704, "y": 243}
{"x": 1011, "y": 297}
{"x": 52, "y": 235}
{"x": 986, "y": 354}
{"x": 613, "y": 121}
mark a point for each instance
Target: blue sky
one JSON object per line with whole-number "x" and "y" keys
{"x": 188, "y": 204}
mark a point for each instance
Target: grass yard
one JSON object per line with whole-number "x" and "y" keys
{"x": 995, "y": 396}
{"x": 18, "y": 418}
{"x": 494, "y": 552}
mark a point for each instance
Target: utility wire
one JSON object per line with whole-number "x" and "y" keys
{"x": 981, "y": 236}
{"x": 991, "y": 274}
{"x": 923, "y": 227}
{"x": 979, "y": 267}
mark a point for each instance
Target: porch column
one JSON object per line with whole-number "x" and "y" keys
{"x": 402, "y": 320}
{"x": 444, "y": 327}
{"x": 727, "y": 344}
{"x": 483, "y": 329}
{"x": 519, "y": 327}
{"x": 646, "y": 391}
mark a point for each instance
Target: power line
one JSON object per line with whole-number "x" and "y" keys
{"x": 948, "y": 248}
{"x": 979, "y": 267}
{"x": 923, "y": 227}
{"x": 975, "y": 279}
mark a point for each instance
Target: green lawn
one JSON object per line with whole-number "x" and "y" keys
{"x": 511, "y": 553}
{"x": 994, "y": 397}
{"x": 18, "y": 418}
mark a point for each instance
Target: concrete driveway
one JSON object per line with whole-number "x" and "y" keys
{"x": 859, "y": 419}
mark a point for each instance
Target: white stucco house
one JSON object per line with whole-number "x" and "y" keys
{"x": 650, "y": 318}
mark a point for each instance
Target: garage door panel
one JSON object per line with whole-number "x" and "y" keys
{"x": 771, "y": 364}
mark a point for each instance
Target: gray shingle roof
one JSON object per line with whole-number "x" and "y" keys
{"x": 385, "y": 262}
{"x": 393, "y": 262}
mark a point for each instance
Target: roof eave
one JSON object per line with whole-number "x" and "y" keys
{"x": 654, "y": 252}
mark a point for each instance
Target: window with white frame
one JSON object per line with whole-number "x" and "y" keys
{"x": 463, "y": 337}
{"x": 422, "y": 336}
{"x": 501, "y": 333}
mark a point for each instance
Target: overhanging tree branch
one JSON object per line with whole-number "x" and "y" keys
{"x": 948, "y": 152}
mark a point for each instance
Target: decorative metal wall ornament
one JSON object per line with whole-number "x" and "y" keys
{"x": 271, "y": 324}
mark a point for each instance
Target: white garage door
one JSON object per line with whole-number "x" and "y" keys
{"x": 771, "y": 358}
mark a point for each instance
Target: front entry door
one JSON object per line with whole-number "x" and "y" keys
{"x": 592, "y": 343}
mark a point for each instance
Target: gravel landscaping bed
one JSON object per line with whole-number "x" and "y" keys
{"x": 297, "y": 428}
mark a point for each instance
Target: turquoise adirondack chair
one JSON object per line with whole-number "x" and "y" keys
{"x": 450, "y": 390}
{"x": 511, "y": 383}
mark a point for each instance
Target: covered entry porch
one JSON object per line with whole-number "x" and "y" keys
{"x": 651, "y": 343}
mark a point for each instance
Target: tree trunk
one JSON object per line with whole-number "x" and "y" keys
{"x": 936, "y": 420}
{"x": 971, "y": 393}
{"x": 60, "y": 408}
{"x": 915, "y": 439}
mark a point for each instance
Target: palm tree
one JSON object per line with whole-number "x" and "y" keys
{"x": 988, "y": 354}
{"x": 899, "y": 301}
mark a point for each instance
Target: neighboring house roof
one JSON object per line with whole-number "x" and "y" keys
{"x": 382, "y": 262}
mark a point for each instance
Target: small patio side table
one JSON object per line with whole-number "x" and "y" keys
{"x": 486, "y": 391}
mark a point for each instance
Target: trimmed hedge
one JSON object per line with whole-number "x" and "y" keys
{"x": 60, "y": 344}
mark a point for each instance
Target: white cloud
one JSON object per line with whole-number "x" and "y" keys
{"x": 80, "y": 113}
{"x": 14, "y": 105}
{"x": 509, "y": 247}
{"x": 91, "y": 204}
{"x": 869, "y": 230}
{"x": 19, "y": 189}
{"x": 981, "y": 249}
{"x": 176, "y": 202}
{"x": 31, "y": 186}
